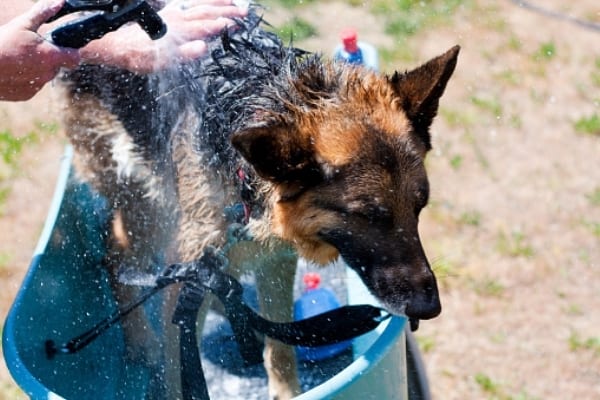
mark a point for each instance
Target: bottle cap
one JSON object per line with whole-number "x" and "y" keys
{"x": 349, "y": 39}
{"x": 311, "y": 280}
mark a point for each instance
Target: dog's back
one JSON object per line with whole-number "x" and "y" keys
{"x": 159, "y": 145}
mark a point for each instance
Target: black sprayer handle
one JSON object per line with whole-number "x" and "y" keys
{"x": 77, "y": 34}
{"x": 73, "y": 6}
{"x": 150, "y": 21}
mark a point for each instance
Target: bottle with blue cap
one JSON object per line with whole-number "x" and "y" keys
{"x": 316, "y": 300}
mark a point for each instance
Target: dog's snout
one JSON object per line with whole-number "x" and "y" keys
{"x": 406, "y": 290}
{"x": 424, "y": 302}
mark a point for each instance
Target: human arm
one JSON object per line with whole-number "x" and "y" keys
{"x": 27, "y": 61}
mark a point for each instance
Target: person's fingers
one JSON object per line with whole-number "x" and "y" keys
{"x": 202, "y": 12}
{"x": 187, "y": 4}
{"x": 40, "y": 13}
{"x": 192, "y": 50}
{"x": 206, "y": 29}
{"x": 58, "y": 57}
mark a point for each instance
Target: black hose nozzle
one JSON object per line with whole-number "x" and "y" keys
{"x": 77, "y": 34}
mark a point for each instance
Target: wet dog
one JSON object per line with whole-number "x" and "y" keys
{"x": 321, "y": 159}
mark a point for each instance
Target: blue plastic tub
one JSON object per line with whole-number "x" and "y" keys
{"x": 65, "y": 292}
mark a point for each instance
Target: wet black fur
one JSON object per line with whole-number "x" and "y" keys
{"x": 225, "y": 89}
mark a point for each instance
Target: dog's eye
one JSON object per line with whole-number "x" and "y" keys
{"x": 336, "y": 208}
{"x": 422, "y": 198}
{"x": 375, "y": 213}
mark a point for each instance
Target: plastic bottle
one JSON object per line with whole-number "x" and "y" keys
{"x": 316, "y": 300}
{"x": 350, "y": 50}
{"x": 355, "y": 51}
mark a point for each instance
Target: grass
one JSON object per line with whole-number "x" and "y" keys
{"x": 426, "y": 343}
{"x": 489, "y": 104}
{"x": 456, "y": 161}
{"x": 4, "y": 260}
{"x": 594, "y": 197}
{"x": 7, "y": 390}
{"x": 594, "y": 227}
{"x": 573, "y": 310}
{"x": 595, "y": 75}
{"x": 444, "y": 270}
{"x": 11, "y": 392}
{"x": 11, "y": 148}
{"x": 296, "y": 29}
{"x": 391, "y": 58}
{"x": 510, "y": 76}
{"x": 576, "y": 343}
{"x": 456, "y": 118}
{"x": 496, "y": 391}
{"x": 466, "y": 120}
{"x": 546, "y": 52}
{"x": 289, "y": 4}
{"x": 488, "y": 287}
{"x": 514, "y": 43}
{"x": 514, "y": 244}
{"x": 515, "y": 121}
{"x": 588, "y": 125}
{"x": 11, "y": 145}
{"x": 477, "y": 149}
{"x": 486, "y": 384}
{"x": 404, "y": 18}
{"x": 472, "y": 218}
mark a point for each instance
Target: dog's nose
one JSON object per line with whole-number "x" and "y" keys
{"x": 424, "y": 303}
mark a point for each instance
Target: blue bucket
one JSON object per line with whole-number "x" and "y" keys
{"x": 65, "y": 291}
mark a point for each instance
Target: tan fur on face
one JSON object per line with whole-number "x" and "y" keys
{"x": 337, "y": 129}
{"x": 298, "y": 222}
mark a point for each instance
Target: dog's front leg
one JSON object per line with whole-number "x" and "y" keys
{"x": 141, "y": 342}
{"x": 275, "y": 283}
{"x": 274, "y": 266}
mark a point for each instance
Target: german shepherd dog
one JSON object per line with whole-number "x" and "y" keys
{"x": 326, "y": 159}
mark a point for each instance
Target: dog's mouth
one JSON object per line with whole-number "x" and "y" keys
{"x": 417, "y": 305}
{"x": 413, "y": 295}
{"x": 413, "y": 321}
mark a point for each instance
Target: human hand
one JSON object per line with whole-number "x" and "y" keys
{"x": 189, "y": 24}
{"x": 27, "y": 61}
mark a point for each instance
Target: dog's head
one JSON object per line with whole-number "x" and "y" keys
{"x": 345, "y": 150}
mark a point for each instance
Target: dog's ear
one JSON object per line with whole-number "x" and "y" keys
{"x": 420, "y": 90}
{"x": 278, "y": 153}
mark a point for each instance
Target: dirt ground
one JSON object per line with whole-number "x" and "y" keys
{"x": 513, "y": 228}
